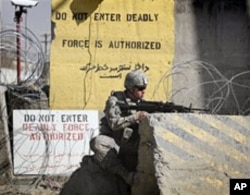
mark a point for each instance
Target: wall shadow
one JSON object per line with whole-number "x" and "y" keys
{"x": 223, "y": 38}
{"x": 82, "y": 9}
{"x": 217, "y": 32}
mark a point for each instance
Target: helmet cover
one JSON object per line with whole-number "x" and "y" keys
{"x": 135, "y": 78}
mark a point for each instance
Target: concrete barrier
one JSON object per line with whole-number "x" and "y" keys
{"x": 192, "y": 153}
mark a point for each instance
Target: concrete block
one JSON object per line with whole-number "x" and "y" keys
{"x": 192, "y": 153}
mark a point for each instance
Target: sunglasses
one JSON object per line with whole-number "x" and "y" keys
{"x": 140, "y": 88}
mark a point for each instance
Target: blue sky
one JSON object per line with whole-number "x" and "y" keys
{"x": 37, "y": 19}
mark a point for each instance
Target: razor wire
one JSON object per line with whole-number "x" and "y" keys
{"x": 201, "y": 84}
{"x": 31, "y": 57}
{"x": 32, "y": 66}
{"x": 39, "y": 181}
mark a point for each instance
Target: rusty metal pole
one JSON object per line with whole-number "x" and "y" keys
{"x": 18, "y": 18}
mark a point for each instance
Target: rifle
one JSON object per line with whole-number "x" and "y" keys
{"x": 154, "y": 106}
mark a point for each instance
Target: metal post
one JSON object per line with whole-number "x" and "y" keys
{"x": 18, "y": 18}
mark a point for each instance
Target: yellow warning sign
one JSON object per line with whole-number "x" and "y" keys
{"x": 96, "y": 43}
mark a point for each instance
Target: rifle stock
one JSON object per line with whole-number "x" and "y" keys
{"x": 154, "y": 106}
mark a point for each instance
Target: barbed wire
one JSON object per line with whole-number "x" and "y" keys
{"x": 23, "y": 95}
{"x": 42, "y": 179}
{"x": 31, "y": 56}
{"x": 201, "y": 84}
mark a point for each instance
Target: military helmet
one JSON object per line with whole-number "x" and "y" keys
{"x": 135, "y": 78}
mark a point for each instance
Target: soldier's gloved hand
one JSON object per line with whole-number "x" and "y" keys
{"x": 140, "y": 115}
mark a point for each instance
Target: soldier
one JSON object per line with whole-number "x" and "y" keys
{"x": 116, "y": 148}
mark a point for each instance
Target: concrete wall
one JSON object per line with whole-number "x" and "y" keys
{"x": 212, "y": 45}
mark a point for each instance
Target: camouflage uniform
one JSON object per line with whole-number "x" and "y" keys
{"x": 119, "y": 133}
{"x": 122, "y": 126}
